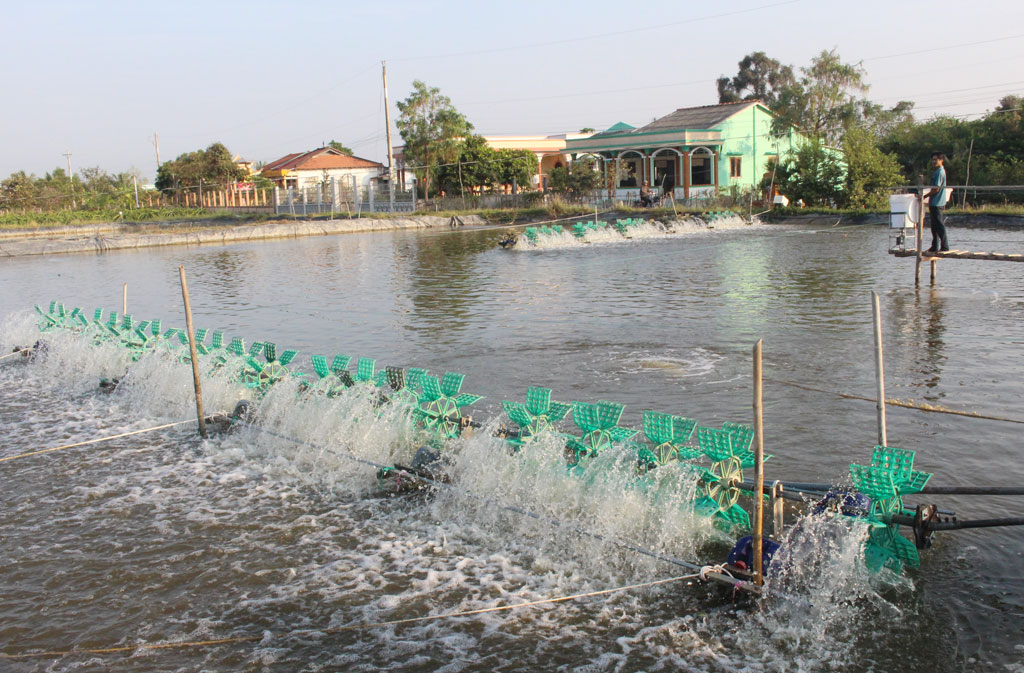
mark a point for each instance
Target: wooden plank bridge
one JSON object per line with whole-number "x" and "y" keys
{"x": 961, "y": 254}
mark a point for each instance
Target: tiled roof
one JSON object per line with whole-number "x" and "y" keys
{"x": 320, "y": 159}
{"x": 703, "y": 117}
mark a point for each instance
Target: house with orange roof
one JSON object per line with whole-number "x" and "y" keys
{"x": 307, "y": 169}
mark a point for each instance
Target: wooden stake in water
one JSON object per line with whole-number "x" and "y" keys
{"x": 758, "y": 466}
{"x": 920, "y": 235}
{"x": 124, "y": 299}
{"x": 192, "y": 352}
{"x": 879, "y": 369}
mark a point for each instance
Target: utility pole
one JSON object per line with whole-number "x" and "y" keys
{"x": 387, "y": 123}
{"x": 156, "y": 143}
{"x": 71, "y": 178}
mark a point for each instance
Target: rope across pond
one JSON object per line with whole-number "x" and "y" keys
{"x": 893, "y": 402}
{"x": 350, "y": 627}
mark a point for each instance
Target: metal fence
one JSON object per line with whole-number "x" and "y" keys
{"x": 342, "y": 196}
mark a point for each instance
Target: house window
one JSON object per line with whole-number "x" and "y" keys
{"x": 735, "y": 167}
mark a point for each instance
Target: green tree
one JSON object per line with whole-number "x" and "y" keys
{"x": 823, "y": 103}
{"x": 516, "y": 167}
{"x": 812, "y": 173}
{"x": 431, "y": 128}
{"x": 19, "y": 191}
{"x": 474, "y": 167}
{"x": 338, "y": 146}
{"x": 214, "y": 165}
{"x": 881, "y": 121}
{"x": 759, "y": 77}
{"x": 870, "y": 173}
{"x": 578, "y": 178}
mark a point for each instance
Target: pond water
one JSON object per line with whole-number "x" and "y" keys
{"x": 285, "y": 541}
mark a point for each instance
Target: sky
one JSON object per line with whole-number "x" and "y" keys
{"x": 101, "y": 79}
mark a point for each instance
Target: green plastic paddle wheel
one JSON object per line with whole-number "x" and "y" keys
{"x": 536, "y": 416}
{"x": 96, "y": 329}
{"x": 261, "y": 375}
{"x": 333, "y": 379}
{"x": 599, "y": 425}
{"x": 729, "y": 453}
{"x": 405, "y": 385}
{"x": 366, "y": 372}
{"x": 890, "y": 476}
{"x": 668, "y": 436}
{"x": 55, "y": 316}
{"x": 136, "y": 340}
{"x": 441, "y": 404}
{"x": 234, "y": 351}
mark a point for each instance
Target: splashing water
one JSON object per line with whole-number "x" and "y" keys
{"x": 295, "y": 534}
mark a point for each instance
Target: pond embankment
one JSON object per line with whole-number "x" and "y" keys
{"x": 101, "y": 238}
{"x": 115, "y": 236}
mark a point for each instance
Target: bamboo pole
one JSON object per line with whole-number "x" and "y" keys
{"x": 920, "y": 235}
{"x": 758, "y": 465}
{"x": 124, "y": 299}
{"x": 193, "y": 353}
{"x": 879, "y": 369}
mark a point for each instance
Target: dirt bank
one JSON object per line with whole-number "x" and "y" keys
{"x": 118, "y": 237}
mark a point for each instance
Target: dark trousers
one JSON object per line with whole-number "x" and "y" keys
{"x": 937, "y": 220}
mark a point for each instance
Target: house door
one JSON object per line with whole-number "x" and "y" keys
{"x": 665, "y": 174}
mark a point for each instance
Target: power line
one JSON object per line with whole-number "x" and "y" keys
{"x": 587, "y": 38}
{"x": 945, "y": 47}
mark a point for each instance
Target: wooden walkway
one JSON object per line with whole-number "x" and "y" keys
{"x": 960, "y": 254}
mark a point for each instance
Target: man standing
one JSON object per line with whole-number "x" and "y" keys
{"x": 937, "y": 204}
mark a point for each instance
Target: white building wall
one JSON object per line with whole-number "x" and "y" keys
{"x": 313, "y": 178}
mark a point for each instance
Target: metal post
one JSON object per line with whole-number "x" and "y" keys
{"x": 192, "y": 352}
{"x": 776, "y": 504}
{"x": 758, "y": 466}
{"x": 387, "y": 129}
{"x": 879, "y": 369}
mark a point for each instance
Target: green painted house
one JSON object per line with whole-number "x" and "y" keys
{"x": 695, "y": 152}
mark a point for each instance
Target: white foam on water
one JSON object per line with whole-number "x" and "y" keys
{"x": 695, "y": 363}
{"x": 649, "y": 229}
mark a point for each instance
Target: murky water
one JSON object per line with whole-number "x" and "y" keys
{"x": 284, "y": 545}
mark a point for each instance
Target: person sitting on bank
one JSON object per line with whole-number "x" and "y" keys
{"x": 937, "y": 204}
{"x": 645, "y": 195}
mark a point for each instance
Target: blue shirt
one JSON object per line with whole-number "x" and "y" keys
{"x": 939, "y": 180}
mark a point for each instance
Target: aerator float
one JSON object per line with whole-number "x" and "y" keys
{"x": 437, "y": 406}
